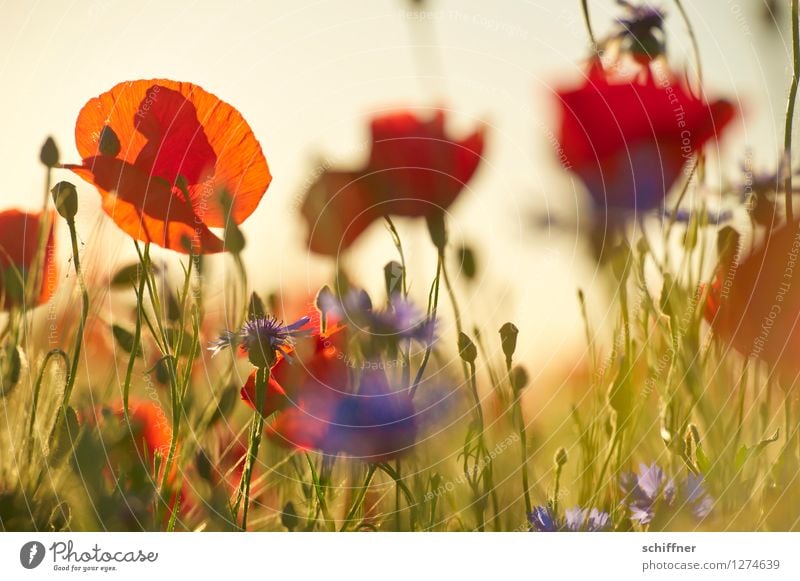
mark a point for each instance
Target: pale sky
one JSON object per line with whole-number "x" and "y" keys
{"x": 308, "y": 74}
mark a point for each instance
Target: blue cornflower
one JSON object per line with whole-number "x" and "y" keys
{"x": 262, "y": 338}
{"x": 685, "y": 215}
{"x": 650, "y": 491}
{"x": 644, "y": 16}
{"x": 400, "y": 320}
{"x": 403, "y": 320}
{"x": 575, "y": 520}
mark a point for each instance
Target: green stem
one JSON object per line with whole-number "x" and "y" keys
{"x": 84, "y": 313}
{"x": 588, "y": 22}
{"x": 695, "y": 46}
{"x": 137, "y": 336}
{"x": 433, "y": 306}
{"x": 787, "y": 135}
{"x": 523, "y": 438}
{"x": 330, "y": 523}
{"x": 406, "y": 492}
{"x": 262, "y": 378}
{"x": 360, "y": 497}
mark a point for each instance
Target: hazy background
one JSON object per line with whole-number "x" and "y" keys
{"x": 307, "y": 76}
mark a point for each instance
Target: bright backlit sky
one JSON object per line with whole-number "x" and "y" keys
{"x": 308, "y": 74}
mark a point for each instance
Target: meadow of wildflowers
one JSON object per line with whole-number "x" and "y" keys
{"x": 344, "y": 409}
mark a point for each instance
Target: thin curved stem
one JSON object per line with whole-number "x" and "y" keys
{"x": 587, "y": 20}
{"x": 84, "y": 314}
{"x": 787, "y": 135}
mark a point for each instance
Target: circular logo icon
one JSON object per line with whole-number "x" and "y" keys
{"x": 31, "y": 554}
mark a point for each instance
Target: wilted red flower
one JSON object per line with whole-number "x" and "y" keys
{"x": 754, "y": 305}
{"x": 628, "y": 141}
{"x": 19, "y": 242}
{"x": 414, "y": 169}
{"x": 317, "y": 412}
{"x": 139, "y": 138}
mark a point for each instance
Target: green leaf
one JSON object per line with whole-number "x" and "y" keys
{"x": 744, "y": 453}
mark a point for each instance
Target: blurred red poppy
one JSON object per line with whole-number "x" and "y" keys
{"x": 139, "y": 138}
{"x": 19, "y": 242}
{"x": 628, "y": 141}
{"x": 150, "y": 429}
{"x": 318, "y": 412}
{"x": 414, "y": 169}
{"x": 755, "y": 306}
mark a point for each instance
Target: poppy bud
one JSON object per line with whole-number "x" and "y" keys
{"x": 203, "y": 465}
{"x": 65, "y": 197}
{"x": 234, "y": 239}
{"x": 467, "y": 349}
{"x": 108, "y": 144}
{"x": 262, "y": 355}
{"x": 508, "y": 338}
{"x": 519, "y": 378}
{"x": 561, "y": 457}
{"x": 256, "y": 308}
{"x": 289, "y": 517}
{"x": 49, "y": 153}
{"x": 466, "y": 257}
{"x": 393, "y": 276}
{"x": 437, "y": 229}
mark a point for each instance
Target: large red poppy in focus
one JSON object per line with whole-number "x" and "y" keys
{"x": 414, "y": 169}
{"x": 19, "y": 242}
{"x": 170, "y": 132}
{"x": 629, "y": 140}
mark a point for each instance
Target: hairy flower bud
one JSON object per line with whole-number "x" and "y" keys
{"x": 49, "y": 153}
{"x": 65, "y": 197}
{"x": 467, "y": 349}
{"x": 108, "y": 144}
{"x": 508, "y": 338}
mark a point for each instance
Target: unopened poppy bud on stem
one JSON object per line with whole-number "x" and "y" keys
{"x": 437, "y": 229}
{"x": 393, "y": 277}
{"x": 65, "y": 197}
{"x": 467, "y": 349}
{"x": 508, "y": 339}
{"x": 325, "y": 298}
{"x": 49, "y": 153}
{"x": 561, "y": 457}
{"x": 234, "y": 239}
{"x": 519, "y": 378}
{"x": 108, "y": 144}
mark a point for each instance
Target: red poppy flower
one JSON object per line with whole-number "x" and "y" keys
{"x": 19, "y": 243}
{"x": 150, "y": 429}
{"x": 318, "y": 363}
{"x": 318, "y": 412}
{"x": 139, "y": 138}
{"x": 414, "y": 169}
{"x": 754, "y": 305}
{"x": 628, "y": 141}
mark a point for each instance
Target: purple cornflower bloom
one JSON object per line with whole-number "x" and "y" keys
{"x": 400, "y": 320}
{"x": 642, "y": 17}
{"x": 575, "y": 520}
{"x": 650, "y": 491}
{"x": 263, "y": 335}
